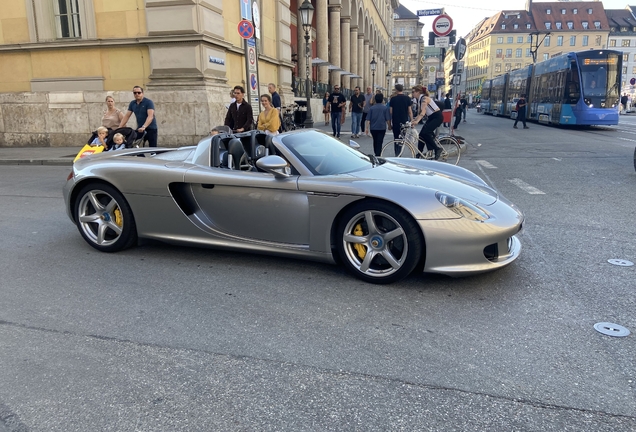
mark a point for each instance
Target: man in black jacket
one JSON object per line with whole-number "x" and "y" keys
{"x": 239, "y": 115}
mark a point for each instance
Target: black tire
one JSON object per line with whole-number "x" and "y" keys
{"x": 386, "y": 230}
{"x": 104, "y": 218}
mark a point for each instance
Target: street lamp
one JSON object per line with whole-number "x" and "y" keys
{"x": 307, "y": 14}
{"x": 388, "y": 81}
{"x": 373, "y": 66}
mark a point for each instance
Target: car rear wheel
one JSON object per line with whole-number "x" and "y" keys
{"x": 104, "y": 218}
{"x": 379, "y": 242}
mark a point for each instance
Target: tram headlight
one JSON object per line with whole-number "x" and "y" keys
{"x": 588, "y": 102}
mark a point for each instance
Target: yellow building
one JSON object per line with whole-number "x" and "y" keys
{"x": 59, "y": 59}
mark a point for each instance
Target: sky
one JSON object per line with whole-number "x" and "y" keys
{"x": 467, "y": 13}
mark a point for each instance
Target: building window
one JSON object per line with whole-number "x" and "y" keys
{"x": 633, "y": 70}
{"x": 509, "y": 39}
{"x": 508, "y": 67}
{"x": 402, "y": 32}
{"x": 624, "y": 70}
{"x": 597, "y": 24}
{"x": 499, "y": 40}
{"x": 562, "y": 11}
{"x": 585, "y": 25}
{"x": 589, "y": 11}
{"x": 509, "y": 53}
{"x": 518, "y": 52}
{"x": 546, "y": 56}
{"x": 572, "y": 40}
{"x": 625, "y": 58}
{"x": 575, "y": 11}
{"x": 515, "y": 26}
{"x": 598, "y": 40}
{"x": 498, "y": 67}
{"x": 635, "y": 57}
{"x": 548, "y": 11}
{"x": 612, "y": 42}
{"x": 499, "y": 53}
{"x": 503, "y": 26}
{"x": 570, "y": 25}
{"x": 411, "y": 31}
{"x": 548, "y": 25}
{"x": 528, "y": 52}
{"x": 625, "y": 42}
{"x": 528, "y": 25}
{"x": 67, "y": 19}
{"x": 529, "y": 39}
{"x": 559, "y": 40}
{"x": 585, "y": 40}
{"x": 558, "y": 25}
{"x": 546, "y": 41}
{"x": 519, "y": 39}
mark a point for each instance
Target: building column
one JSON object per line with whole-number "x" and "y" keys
{"x": 322, "y": 38}
{"x": 361, "y": 65}
{"x": 367, "y": 68}
{"x": 345, "y": 37}
{"x": 353, "y": 40}
{"x": 334, "y": 43}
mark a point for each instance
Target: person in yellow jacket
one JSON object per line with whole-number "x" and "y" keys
{"x": 269, "y": 118}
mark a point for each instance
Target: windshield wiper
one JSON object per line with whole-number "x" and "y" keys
{"x": 374, "y": 160}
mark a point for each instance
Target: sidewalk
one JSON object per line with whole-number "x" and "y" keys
{"x": 63, "y": 156}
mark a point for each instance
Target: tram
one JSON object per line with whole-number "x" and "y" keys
{"x": 577, "y": 88}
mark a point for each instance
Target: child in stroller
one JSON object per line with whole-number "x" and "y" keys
{"x": 129, "y": 138}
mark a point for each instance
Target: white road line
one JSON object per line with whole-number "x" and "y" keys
{"x": 626, "y": 139}
{"x": 557, "y": 159}
{"x": 526, "y": 187}
{"x": 486, "y": 164}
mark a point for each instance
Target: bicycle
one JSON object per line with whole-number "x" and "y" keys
{"x": 409, "y": 140}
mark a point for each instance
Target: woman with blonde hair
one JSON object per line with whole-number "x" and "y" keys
{"x": 269, "y": 119}
{"x": 112, "y": 116}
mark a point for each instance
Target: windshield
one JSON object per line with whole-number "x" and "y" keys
{"x": 324, "y": 155}
{"x": 600, "y": 76}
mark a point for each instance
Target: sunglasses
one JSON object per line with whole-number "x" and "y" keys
{"x": 137, "y": 92}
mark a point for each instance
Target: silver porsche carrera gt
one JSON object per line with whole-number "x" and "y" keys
{"x": 301, "y": 194}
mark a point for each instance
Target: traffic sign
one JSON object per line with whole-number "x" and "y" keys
{"x": 245, "y": 29}
{"x": 257, "y": 20}
{"x": 442, "y": 25}
{"x": 632, "y": 81}
{"x": 460, "y": 48}
{"x": 430, "y": 12}
{"x": 441, "y": 42}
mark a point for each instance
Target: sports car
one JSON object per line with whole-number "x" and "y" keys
{"x": 301, "y": 194}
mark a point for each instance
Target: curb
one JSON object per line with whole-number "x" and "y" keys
{"x": 49, "y": 162}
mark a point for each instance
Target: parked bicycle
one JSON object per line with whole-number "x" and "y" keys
{"x": 409, "y": 140}
{"x": 290, "y": 113}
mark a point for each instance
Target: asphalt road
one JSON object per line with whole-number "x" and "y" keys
{"x": 166, "y": 338}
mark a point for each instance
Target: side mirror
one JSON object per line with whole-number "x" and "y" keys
{"x": 354, "y": 145}
{"x": 274, "y": 165}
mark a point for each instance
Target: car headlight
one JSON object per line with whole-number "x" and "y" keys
{"x": 461, "y": 207}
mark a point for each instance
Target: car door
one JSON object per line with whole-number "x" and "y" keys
{"x": 251, "y": 205}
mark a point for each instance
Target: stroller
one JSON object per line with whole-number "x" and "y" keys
{"x": 131, "y": 137}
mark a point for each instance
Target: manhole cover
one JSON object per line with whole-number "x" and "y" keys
{"x": 611, "y": 329}
{"x": 620, "y": 262}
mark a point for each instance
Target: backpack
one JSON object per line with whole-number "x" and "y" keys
{"x": 415, "y": 105}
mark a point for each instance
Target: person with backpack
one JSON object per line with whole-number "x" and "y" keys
{"x": 521, "y": 111}
{"x": 428, "y": 107}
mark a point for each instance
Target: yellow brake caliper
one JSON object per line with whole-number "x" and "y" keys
{"x": 119, "y": 221}
{"x": 361, "y": 249}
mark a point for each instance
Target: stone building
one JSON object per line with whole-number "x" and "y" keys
{"x": 408, "y": 44}
{"x": 59, "y": 59}
{"x": 622, "y": 36}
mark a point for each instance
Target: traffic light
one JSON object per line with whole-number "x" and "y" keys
{"x": 452, "y": 37}
{"x": 431, "y": 39}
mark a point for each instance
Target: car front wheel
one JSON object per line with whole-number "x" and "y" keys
{"x": 379, "y": 242}
{"x": 104, "y": 218}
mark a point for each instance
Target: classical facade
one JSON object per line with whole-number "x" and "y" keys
{"x": 511, "y": 39}
{"x": 408, "y": 44}
{"x": 59, "y": 59}
{"x": 622, "y": 37}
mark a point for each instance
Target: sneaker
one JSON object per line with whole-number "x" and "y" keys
{"x": 338, "y": 136}
{"x": 438, "y": 153}
{"x": 515, "y": 127}
{"x": 526, "y": 127}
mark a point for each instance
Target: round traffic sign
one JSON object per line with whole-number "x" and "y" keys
{"x": 245, "y": 29}
{"x": 253, "y": 82}
{"x": 442, "y": 25}
{"x": 632, "y": 81}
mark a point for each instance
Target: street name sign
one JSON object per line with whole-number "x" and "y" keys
{"x": 430, "y": 12}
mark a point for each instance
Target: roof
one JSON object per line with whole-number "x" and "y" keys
{"x": 618, "y": 18}
{"x": 575, "y": 12}
{"x": 504, "y": 22}
{"x": 403, "y": 13}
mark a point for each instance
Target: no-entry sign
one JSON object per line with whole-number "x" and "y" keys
{"x": 442, "y": 25}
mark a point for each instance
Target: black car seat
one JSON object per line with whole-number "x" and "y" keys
{"x": 237, "y": 152}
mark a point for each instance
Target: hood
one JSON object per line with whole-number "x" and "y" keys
{"x": 436, "y": 176}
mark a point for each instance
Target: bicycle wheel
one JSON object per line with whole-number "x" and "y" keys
{"x": 451, "y": 151}
{"x": 405, "y": 150}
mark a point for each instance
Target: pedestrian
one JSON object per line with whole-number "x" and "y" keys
{"x": 271, "y": 87}
{"x": 448, "y": 105}
{"x": 356, "y": 105}
{"x": 378, "y": 119}
{"x": 434, "y": 119}
{"x": 458, "y": 112}
{"x": 401, "y": 113}
{"x": 464, "y": 105}
{"x": 521, "y": 111}
{"x": 338, "y": 102}
{"x": 368, "y": 100}
{"x": 239, "y": 115}
{"x": 112, "y": 116}
{"x": 326, "y": 106}
{"x": 144, "y": 110}
{"x": 269, "y": 118}
{"x": 624, "y": 103}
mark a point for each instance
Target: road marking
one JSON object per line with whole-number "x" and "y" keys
{"x": 557, "y": 159}
{"x": 626, "y": 139}
{"x": 526, "y": 187}
{"x": 486, "y": 164}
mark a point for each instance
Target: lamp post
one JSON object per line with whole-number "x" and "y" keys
{"x": 373, "y": 66}
{"x": 388, "y": 82}
{"x": 307, "y": 14}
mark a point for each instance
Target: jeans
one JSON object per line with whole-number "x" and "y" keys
{"x": 396, "y": 135}
{"x": 378, "y": 138}
{"x": 151, "y": 137}
{"x": 335, "y": 122}
{"x": 355, "y": 122}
